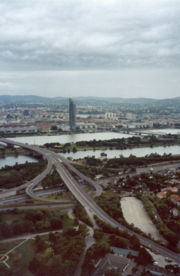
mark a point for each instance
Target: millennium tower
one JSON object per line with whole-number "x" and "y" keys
{"x": 72, "y": 115}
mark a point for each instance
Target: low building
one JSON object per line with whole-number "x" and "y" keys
{"x": 161, "y": 195}
{"x": 159, "y": 271}
{"x": 172, "y": 189}
{"x": 64, "y": 127}
{"x": 124, "y": 252}
{"x": 86, "y": 126}
{"x": 111, "y": 116}
{"x": 111, "y": 261}
{"x": 176, "y": 199}
{"x": 18, "y": 129}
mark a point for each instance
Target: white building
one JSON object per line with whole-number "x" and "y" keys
{"x": 110, "y": 116}
{"x": 86, "y": 126}
{"x": 18, "y": 129}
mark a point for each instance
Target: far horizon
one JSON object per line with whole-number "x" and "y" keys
{"x": 126, "y": 83}
{"x": 92, "y": 97}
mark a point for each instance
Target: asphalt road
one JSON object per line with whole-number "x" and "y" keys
{"x": 28, "y": 236}
{"x": 156, "y": 169}
{"x": 92, "y": 183}
{"x": 64, "y": 206}
{"x": 23, "y": 197}
{"x": 86, "y": 200}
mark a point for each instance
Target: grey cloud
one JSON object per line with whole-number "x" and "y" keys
{"x": 127, "y": 47}
{"x": 78, "y": 34}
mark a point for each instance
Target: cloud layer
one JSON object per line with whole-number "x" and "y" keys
{"x": 82, "y": 34}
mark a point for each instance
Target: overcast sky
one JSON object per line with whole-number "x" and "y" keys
{"x": 120, "y": 48}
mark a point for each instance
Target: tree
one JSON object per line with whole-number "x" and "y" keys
{"x": 74, "y": 149}
{"x": 144, "y": 257}
{"x": 112, "y": 272}
{"x": 54, "y": 128}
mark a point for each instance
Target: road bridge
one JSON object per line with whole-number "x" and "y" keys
{"x": 86, "y": 201}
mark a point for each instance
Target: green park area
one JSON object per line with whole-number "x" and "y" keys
{"x": 52, "y": 254}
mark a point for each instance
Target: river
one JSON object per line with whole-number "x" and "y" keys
{"x": 73, "y": 138}
{"x": 164, "y": 131}
{"x": 139, "y": 152}
{"x": 69, "y": 138}
{"x": 12, "y": 160}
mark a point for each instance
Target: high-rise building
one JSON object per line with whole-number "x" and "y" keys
{"x": 72, "y": 115}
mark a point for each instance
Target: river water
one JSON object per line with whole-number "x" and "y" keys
{"x": 70, "y": 138}
{"x": 73, "y": 138}
{"x": 12, "y": 160}
{"x": 139, "y": 152}
{"x": 164, "y": 131}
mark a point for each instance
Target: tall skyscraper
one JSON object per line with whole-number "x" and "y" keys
{"x": 72, "y": 114}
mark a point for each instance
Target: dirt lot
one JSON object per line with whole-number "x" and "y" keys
{"x": 134, "y": 212}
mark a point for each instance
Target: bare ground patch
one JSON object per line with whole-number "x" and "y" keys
{"x": 134, "y": 212}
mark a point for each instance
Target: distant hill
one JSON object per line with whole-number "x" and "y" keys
{"x": 32, "y": 99}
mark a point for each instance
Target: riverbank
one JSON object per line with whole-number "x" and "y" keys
{"x": 133, "y": 152}
{"x": 151, "y": 131}
{"x": 116, "y": 143}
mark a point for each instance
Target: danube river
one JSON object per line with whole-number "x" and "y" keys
{"x": 164, "y": 131}
{"x": 73, "y": 138}
{"x": 21, "y": 159}
{"x": 69, "y": 138}
{"x": 116, "y": 153}
{"x": 12, "y": 160}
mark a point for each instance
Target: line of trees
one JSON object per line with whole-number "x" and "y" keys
{"x": 13, "y": 176}
{"x": 133, "y": 160}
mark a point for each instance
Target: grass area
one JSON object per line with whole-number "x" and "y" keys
{"x": 6, "y": 173}
{"x": 64, "y": 196}
{"x": 87, "y": 189}
{"x": 8, "y": 218}
{"x": 93, "y": 194}
{"x": 18, "y": 260}
{"x": 5, "y": 247}
{"x": 110, "y": 194}
{"x": 67, "y": 224}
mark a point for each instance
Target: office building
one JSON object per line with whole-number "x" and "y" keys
{"x": 72, "y": 115}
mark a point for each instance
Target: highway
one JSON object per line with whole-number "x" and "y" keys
{"x": 38, "y": 178}
{"x": 63, "y": 206}
{"x": 92, "y": 183}
{"x": 81, "y": 196}
{"x": 23, "y": 197}
{"x": 156, "y": 168}
{"x": 29, "y": 186}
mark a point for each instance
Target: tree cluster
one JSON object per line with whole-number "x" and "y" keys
{"x": 31, "y": 221}
{"x": 59, "y": 254}
{"x": 19, "y": 173}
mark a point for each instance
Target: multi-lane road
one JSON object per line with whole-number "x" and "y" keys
{"x": 81, "y": 196}
{"x": 23, "y": 197}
